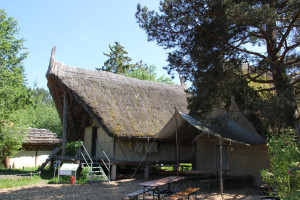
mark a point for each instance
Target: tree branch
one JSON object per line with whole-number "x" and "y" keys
{"x": 296, "y": 81}
{"x": 287, "y": 50}
{"x": 293, "y": 61}
{"x": 280, "y": 44}
{"x": 255, "y": 77}
{"x": 232, "y": 46}
{"x": 266, "y": 90}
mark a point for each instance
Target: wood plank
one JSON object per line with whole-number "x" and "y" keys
{"x": 56, "y": 150}
{"x": 64, "y": 125}
{"x": 185, "y": 192}
{"x": 138, "y": 192}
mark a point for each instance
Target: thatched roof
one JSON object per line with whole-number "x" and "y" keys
{"x": 124, "y": 107}
{"x": 41, "y": 136}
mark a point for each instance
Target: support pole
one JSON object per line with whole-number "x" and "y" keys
{"x": 36, "y": 156}
{"x": 113, "y": 172}
{"x": 221, "y": 168}
{"x": 64, "y": 125}
{"x": 146, "y": 171}
{"x": 177, "y": 167}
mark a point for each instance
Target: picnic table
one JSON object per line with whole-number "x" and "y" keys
{"x": 156, "y": 184}
{"x": 208, "y": 176}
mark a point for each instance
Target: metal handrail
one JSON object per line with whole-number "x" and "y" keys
{"x": 91, "y": 167}
{"x": 108, "y": 168}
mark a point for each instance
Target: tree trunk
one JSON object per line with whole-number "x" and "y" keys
{"x": 286, "y": 102}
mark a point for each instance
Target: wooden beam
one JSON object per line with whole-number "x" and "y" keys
{"x": 221, "y": 167}
{"x": 177, "y": 163}
{"x": 36, "y": 155}
{"x": 72, "y": 119}
{"x": 64, "y": 125}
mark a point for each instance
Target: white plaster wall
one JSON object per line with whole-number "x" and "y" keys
{"x": 27, "y": 159}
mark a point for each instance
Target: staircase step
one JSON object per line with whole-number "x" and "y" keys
{"x": 97, "y": 176}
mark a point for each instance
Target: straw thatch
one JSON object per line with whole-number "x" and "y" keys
{"x": 124, "y": 107}
{"x": 41, "y": 136}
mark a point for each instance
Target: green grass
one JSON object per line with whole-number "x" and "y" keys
{"x": 5, "y": 171}
{"x": 14, "y": 182}
{"x": 44, "y": 177}
{"x": 187, "y": 166}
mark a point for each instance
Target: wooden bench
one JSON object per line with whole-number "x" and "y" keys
{"x": 134, "y": 195}
{"x": 181, "y": 194}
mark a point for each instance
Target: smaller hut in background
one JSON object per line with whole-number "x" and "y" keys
{"x": 36, "y": 148}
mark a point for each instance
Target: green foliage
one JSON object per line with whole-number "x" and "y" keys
{"x": 284, "y": 154}
{"x": 11, "y": 136}
{"x": 40, "y": 114}
{"x": 211, "y": 41}
{"x": 13, "y": 92}
{"x": 118, "y": 62}
{"x": 141, "y": 71}
{"x": 72, "y": 148}
{"x": 83, "y": 177}
{"x": 42, "y": 97}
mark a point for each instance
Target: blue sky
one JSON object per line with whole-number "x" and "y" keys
{"x": 81, "y": 31}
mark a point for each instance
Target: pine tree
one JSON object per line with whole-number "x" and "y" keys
{"x": 213, "y": 42}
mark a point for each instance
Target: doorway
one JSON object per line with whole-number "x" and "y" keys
{"x": 94, "y": 142}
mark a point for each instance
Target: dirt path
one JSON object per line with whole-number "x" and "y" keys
{"x": 114, "y": 191}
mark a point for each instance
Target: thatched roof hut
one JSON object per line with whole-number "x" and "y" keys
{"x": 124, "y": 107}
{"x": 40, "y": 138}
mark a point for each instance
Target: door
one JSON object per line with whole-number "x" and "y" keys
{"x": 94, "y": 141}
{"x": 224, "y": 157}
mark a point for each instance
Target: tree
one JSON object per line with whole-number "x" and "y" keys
{"x": 13, "y": 92}
{"x": 119, "y": 63}
{"x": 284, "y": 155}
{"x": 41, "y": 114}
{"x": 11, "y": 137}
{"x": 212, "y": 41}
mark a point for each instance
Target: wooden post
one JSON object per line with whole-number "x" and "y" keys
{"x": 64, "y": 125}
{"x": 113, "y": 172}
{"x": 36, "y": 156}
{"x": 146, "y": 171}
{"x": 221, "y": 168}
{"x": 177, "y": 163}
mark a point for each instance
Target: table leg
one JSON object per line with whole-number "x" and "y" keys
{"x": 143, "y": 192}
{"x": 158, "y": 195}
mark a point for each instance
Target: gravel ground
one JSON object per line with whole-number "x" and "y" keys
{"x": 115, "y": 190}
